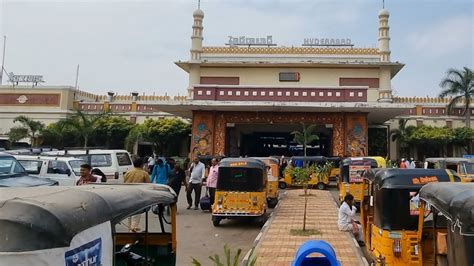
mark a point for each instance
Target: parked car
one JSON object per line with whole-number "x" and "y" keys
{"x": 114, "y": 163}
{"x": 12, "y": 174}
{"x": 65, "y": 170}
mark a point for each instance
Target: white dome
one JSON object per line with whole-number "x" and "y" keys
{"x": 198, "y": 13}
{"x": 384, "y": 12}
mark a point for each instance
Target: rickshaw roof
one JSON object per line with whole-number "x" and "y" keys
{"x": 455, "y": 200}
{"x": 395, "y": 178}
{"x": 449, "y": 160}
{"x": 242, "y": 162}
{"x": 49, "y": 217}
{"x": 350, "y": 159}
{"x": 272, "y": 160}
{"x": 370, "y": 173}
{"x": 309, "y": 158}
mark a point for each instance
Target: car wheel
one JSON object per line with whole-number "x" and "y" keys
{"x": 282, "y": 185}
{"x": 321, "y": 186}
{"x": 272, "y": 203}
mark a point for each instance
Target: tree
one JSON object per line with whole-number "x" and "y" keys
{"x": 431, "y": 139}
{"x": 460, "y": 85}
{"x": 305, "y": 136}
{"x": 111, "y": 130}
{"x": 463, "y": 137}
{"x": 401, "y": 136}
{"x": 58, "y": 135}
{"x": 29, "y": 129}
{"x": 163, "y": 133}
{"x": 83, "y": 123}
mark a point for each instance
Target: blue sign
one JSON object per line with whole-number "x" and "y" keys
{"x": 89, "y": 254}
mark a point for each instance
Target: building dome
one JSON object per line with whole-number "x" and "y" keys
{"x": 198, "y": 13}
{"x": 384, "y": 12}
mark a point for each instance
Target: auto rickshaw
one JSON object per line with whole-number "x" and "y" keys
{"x": 272, "y": 184}
{"x": 351, "y": 180}
{"x": 389, "y": 213}
{"x": 84, "y": 225}
{"x": 446, "y": 234}
{"x": 302, "y": 161}
{"x": 336, "y": 170}
{"x": 462, "y": 166}
{"x": 241, "y": 190}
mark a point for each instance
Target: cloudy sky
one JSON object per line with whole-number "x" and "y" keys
{"x": 126, "y": 46}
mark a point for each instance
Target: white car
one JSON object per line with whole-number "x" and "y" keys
{"x": 65, "y": 170}
{"x": 114, "y": 163}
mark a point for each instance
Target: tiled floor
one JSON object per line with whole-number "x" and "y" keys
{"x": 278, "y": 247}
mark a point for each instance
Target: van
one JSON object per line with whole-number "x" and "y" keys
{"x": 65, "y": 170}
{"x": 114, "y": 163}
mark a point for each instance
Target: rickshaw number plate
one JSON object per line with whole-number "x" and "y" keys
{"x": 395, "y": 235}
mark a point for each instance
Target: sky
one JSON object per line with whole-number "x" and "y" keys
{"x": 125, "y": 46}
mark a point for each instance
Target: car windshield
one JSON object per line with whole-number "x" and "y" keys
{"x": 9, "y": 166}
{"x": 467, "y": 168}
{"x": 76, "y": 165}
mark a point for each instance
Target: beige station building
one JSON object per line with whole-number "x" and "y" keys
{"x": 245, "y": 98}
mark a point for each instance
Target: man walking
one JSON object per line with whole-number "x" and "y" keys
{"x": 346, "y": 221}
{"x": 212, "y": 179}
{"x": 136, "y": 175}
{"x": 197, "y": 171}
{"x": 160, "y": 173}
{"x": 85, "y": 175}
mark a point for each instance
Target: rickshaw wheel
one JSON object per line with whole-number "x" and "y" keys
{"x": 321, "y": 186}
{"x": 216, "y": 221}
{"x": 282, "y": 185}
{"x": 272, "y": 203}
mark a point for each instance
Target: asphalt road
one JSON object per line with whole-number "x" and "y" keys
{"x": 198, "y": 238}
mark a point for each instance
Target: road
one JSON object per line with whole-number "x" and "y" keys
{"x": 198, "y": 238}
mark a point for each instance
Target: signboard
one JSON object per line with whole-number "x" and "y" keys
{"x": 244, "y": 40}
{"x": 424, "y": 180}
{"x": 25, "y": 78}
{"x": 415, "y": 204}
{"x": 326, "y": 42}
{"x": 89, "y": 254}
{"x": 356, "y": 171}
{"x": 289, "y": 76}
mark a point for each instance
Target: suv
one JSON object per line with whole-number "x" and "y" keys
{"x": 65, "y": 170}
{"x": 114, "y": 163}
{"x": 12, "y": 174}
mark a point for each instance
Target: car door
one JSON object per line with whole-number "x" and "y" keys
{"x": 59, "y": 171}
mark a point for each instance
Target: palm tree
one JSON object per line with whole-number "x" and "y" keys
{"x": 305, "y": 136}
{"x": 83, "y": 123}
{"x": 29, "y": 129}
{"x": 401, "y": 136}
{"x": 460, "y": 85}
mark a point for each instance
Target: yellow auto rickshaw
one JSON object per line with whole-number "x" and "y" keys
{"x": 351, "y": 180}
{"x": 462, "y": 166}
{"x": 272, "y": 184}
{"x": 446, "y": 224}
{"x": 305, "y": 161}
{"x": 241, "y": 190}
{"x": 336, "y": 168}
{"x": 389, "y": 213}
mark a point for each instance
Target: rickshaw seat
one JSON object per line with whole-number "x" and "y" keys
{"x": 316, "y": 246}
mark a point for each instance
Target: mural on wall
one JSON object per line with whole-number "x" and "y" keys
{"x": 356, "y": 135}
{"x": 202, "y": 136}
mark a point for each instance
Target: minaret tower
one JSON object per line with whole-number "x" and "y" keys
{"x": 384, "y": 36}
{"x": 196, "y": 51}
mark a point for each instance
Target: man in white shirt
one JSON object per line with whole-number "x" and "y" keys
{"x": 197, "y": 171}
{"x": 346, "y": 220}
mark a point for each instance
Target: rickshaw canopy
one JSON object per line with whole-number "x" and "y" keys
{"x": 242, "y": 162}
{"x": 449, "y": 160}
{"x": 394, "y": 178}
{"x": 352, "y": 160}
{"x": 241, "y": 174}
{"x": 455, "y": 201}
{"x": 49, "y": 217}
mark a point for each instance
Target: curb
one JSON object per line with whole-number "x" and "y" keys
{"x": 250, "y": 255}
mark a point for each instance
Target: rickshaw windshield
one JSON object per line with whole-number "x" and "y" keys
{"x": 240, "y": 179}
{"x": 467, "y": 168}
{"x": 396, "y": 209}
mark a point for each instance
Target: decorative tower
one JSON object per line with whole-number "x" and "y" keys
{"x": 385, "y": 87}
{"x": 196, "y": 51}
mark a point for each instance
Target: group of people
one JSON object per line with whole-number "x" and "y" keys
{"x": 407, "y": 164}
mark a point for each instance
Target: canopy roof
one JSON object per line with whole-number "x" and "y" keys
{"x": 455, "y": 201}
{"x": 49, "y": 217}
{"x": 242, "y": 162}
{"x": 449, "y": 160}
{"x": 394, "y": 178}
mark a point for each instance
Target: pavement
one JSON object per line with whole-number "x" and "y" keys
{"x": 278, "y": 247}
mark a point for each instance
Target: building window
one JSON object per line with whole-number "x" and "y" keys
{"x": 360, "y": 94}
{"x": 237, "y": 93}
{"x": 329, "y": 94}
{"x": 419, "y": 123}
{"x": 246, "y": 93}
{"x": 279, "y": 93}
{"x": 208, "y": 92}
{"x": 351, "y": 94}
{"x": 262, "y": 93}
{"x": 321, "y": 94}
{"x": 313, "y": 94}
{"x": 254, "y": 93}
{"x": 296, "y": 93}
{"x": 338, "y": 94}
{"x": 229, "y": 93}
{"x": 287, "y": 93}
{"x": 305, "y": 93}
{"x": 449, "y": 124}
{"x": 199, "y": 92}
{"x": 271, "y": 93}
{"x": 221, "y": 93}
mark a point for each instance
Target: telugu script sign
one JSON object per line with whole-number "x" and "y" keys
{"x": 243, "y": 40}
{"x": 25, "y": 78}
{"x": 326, "y": 42}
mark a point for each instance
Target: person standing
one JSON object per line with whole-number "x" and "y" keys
{"x": 346, "y": 222}
{"x": 197, "y": 171}
{"x": 403, "y": 164}
{"x": 212, "y": 179}
{"x": 136, "y": 175}
{"x": 85, "y": 175}
{"x": 412, "y": 163}
{"x": 160, "y": 173}
{"x": 177, "y": 178}
{"x": 151, "y": 163}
